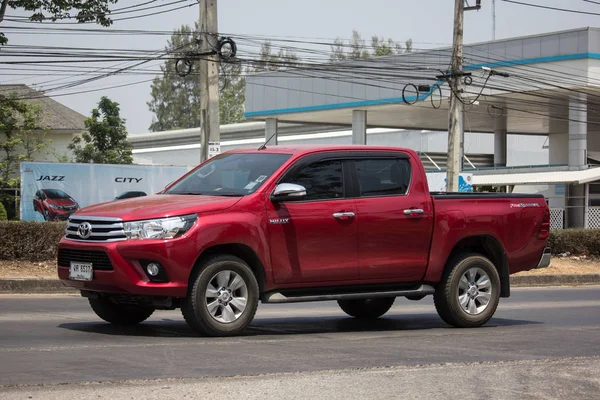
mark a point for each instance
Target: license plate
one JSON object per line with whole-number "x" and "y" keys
{"x": 81, "y": 271}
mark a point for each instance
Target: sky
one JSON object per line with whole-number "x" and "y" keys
{"x": 427, "y": 22}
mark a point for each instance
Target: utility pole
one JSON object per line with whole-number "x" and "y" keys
{"x": 209, "y": 81}
{"x": 493, "y": 20}
{"x": 455, "y": 116}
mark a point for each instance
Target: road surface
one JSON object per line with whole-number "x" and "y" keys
{"x": 542, "y": 340}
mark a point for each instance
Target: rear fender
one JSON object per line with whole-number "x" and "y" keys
{"x": 489, "y": 247}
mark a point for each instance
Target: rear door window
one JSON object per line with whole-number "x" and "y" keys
{"x": 383, "y": 176}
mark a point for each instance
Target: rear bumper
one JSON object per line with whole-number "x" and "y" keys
{"x": 545, "y": 259}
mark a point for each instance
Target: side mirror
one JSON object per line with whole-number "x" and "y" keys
{"x": 288, "y": 192}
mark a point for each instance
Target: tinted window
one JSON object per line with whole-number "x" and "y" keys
{"x": 322, "y": 180}
{"x": 129, "y": 195}
{"x": 380, "y": 177}
{"x": 56, "y": 194}
{"x": 232, "y": 174}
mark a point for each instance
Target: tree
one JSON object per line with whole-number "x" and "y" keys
{"x": 106, "y": 140}
{"x": 356, "y": 49}
{"x": 269, "y": 61}
{"x": 22, "y": 135}
{"x": 176, "y": 99}
{"x": 42, "y": 10}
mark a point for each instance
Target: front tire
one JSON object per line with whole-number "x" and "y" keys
{"x": 367, "y": 308}
{"x": 469, "y": 292}
{"x": 120, "y": 314}
{"x": 222, "y": 298}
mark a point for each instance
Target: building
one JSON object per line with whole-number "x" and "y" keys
{"x": 535, "y": 129}
{"x": 62, "y": 123}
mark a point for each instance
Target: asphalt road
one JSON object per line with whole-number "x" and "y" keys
{"x": 552, "y": 335}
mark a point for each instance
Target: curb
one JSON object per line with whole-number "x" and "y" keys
{"x": 43, "y": 286}
{"x": 555, "y": 280}
{"x": 33, "y": 286}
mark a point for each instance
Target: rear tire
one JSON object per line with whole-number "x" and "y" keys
{"x": 367, "y": 308}
{"x": 469, "y": 291}
{"x": 120, "y": 314}
{"x": 222, "y": 297}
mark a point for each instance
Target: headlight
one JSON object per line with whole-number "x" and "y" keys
{"x": 54, "y": 206}
{"x": 164, "y": 228}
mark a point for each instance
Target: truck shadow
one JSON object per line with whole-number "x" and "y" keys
{"x": 169, "y": 328}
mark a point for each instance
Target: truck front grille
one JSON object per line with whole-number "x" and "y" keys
{"x": 95, "y": 229}
{"x": 98, "y": 259}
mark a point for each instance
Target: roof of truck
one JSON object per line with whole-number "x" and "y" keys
{"x": 306, "y": 149}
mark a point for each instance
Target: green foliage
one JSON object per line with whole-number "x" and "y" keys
{"x": 43, "y": 10}
{"x": 30, "y": 241}
{"x": 3, "y": 215}
{"x": 106, "y": 140}
{"x": 575, "y": 241}
{"x": 269, "y": 61}
{"x": 175, "y": 99}
{"x": 356, "y": 48}
{"x": 22, "y": 135}
{"x": 490, "y": 189}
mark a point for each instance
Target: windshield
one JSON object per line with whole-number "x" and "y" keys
{"x": 234, "y": 174}
{"x": 56, "y": 194}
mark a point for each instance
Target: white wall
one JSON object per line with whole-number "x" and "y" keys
{"x": 56, "y": 148}
{"x": 522, "y": 150}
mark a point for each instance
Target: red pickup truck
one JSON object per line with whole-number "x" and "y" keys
{"x": 356, "y": 224}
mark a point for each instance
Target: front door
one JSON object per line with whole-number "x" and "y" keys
{"x": 314, "y": 239}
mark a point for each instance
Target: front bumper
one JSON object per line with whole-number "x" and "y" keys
{"x": 125, "y": 274}
{"x": 545, "y": 259}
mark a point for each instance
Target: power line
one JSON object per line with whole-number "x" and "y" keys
{"x": 112, "y": 19}
{"x": 550, "y": 8}
{"x": 110, "y": 13}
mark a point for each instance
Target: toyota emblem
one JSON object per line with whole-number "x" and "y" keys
{"x": 84, "y": 230}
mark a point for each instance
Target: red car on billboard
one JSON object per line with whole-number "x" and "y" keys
{"x": 54, "y": 204}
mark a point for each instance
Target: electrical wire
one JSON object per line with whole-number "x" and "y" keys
{"x": 112, "y": 19}
{"x": 551, "y": 8}
{"x": 368, "y": 70}
{"x": 110, "y": 13}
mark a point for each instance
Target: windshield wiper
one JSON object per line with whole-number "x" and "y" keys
{"x": 207, "y": 194}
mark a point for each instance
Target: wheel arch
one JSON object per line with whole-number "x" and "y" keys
{"x": 242, "y": 251}
{"x": 489, "y": 247}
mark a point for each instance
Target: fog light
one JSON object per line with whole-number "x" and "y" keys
{"x": 153, "y": 269}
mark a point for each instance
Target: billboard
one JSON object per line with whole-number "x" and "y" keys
{"x": 437, "y": 182}
{"x": 53, "y": 191}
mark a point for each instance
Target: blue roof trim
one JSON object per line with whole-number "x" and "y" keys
{"x": 364, "y": 103}
{"x": 537, "y": 60}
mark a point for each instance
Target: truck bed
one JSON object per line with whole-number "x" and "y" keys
{"x": 473, "y": 196}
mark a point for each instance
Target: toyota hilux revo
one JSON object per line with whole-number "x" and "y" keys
{"x": 354, "y": 224}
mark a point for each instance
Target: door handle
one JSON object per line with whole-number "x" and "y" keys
{"x": 340, "y": 215}
{"x": 413, "y": 211}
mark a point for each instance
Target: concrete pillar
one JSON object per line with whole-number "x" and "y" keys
{"x": 577, "y": 158}
{"x": 271, "y": 131}
{"x": 359, "y": 127}
{"x": 500, "y": 139}
{"x": 578, "y": 131}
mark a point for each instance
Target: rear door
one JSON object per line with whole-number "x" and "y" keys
{"x": 395, "y": 217}
{"x": 314, "y": 239}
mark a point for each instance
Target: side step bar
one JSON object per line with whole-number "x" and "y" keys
{"x": 277, "y": 297}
